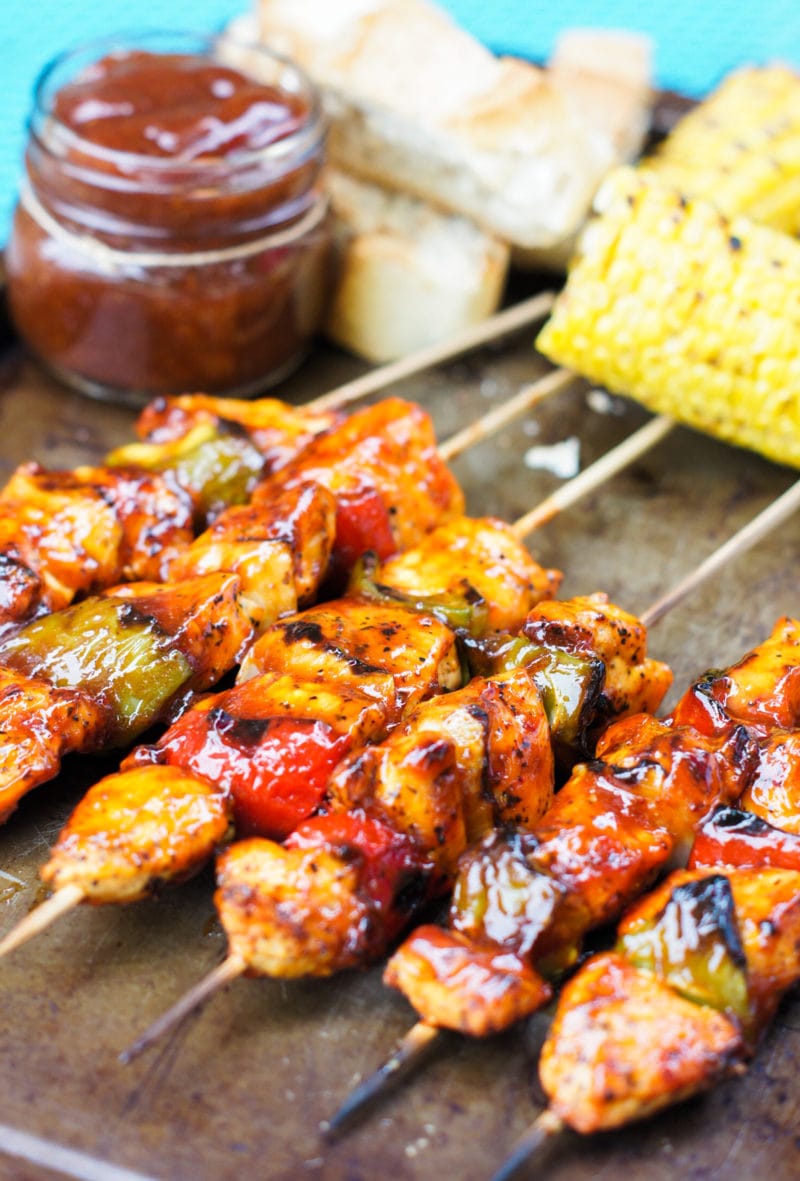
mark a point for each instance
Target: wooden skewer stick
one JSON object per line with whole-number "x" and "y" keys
{"x": 408, "y": 1053}
{"x": 422, "y": 1035}
{"x": 197, "y": 995}
{"x": 591, "y": 478}
{"x": 540, "y": 1135}
{"x": 64, "y": 900}
{"x": 489, "y": 423}
{"x": 500, "y": 324}
{"x": 768, "y": 519}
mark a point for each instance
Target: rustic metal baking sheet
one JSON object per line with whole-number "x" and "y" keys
{"x": 240, "y": 1090}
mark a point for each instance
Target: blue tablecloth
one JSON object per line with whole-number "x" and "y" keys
{"x": 695, "y": 42}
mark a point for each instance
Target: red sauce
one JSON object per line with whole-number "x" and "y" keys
{"x": 172, "y": 233}
{"x": 175, "y": 105}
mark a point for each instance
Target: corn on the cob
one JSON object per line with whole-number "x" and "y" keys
{"x": 695, "y": 315}
{"x": 740, "y": 148}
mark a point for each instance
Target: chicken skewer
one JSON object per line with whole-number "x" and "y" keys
{"x": 698, "y": 970}
{"x": 279, "y": 548}
{"x": 260, "y": 901}
{"x": 339, "y": 653}
{"x": 516, "y": 899}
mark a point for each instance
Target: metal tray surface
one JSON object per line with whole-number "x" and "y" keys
{"x": 240, "y": 1089}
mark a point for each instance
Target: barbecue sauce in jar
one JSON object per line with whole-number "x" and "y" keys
{"x": 171, "y": 234}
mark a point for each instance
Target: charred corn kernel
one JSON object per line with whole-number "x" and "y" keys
{"x": 694, "y": 315}
{"x": 740, "y": 148}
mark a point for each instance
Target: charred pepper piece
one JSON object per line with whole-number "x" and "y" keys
{"x": 731, "y": 836}
{"x": 137, "y": 649}
{"x": 216, "y": 463}
{"x": 272, "y": 743}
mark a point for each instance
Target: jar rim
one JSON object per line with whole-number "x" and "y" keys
{"x": 312, "y": 129}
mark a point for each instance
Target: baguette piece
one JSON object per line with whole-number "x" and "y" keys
{"x": 419, "y": 105}
{"x": 605, "y": 76}
{"x": 408, "y": 275}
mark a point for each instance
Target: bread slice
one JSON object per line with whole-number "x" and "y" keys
{"x": 419, "y": 105}
{"x": 408, "y": 275}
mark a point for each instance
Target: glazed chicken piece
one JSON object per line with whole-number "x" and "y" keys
{"x": 624, "y": 1045}
{"x": 279, "y": 549}
{"x": 383, "y": 468}
{"x": 344, "y": 884}
{"x": 761, "y": 691}
{"x": 66, "y": 534}
{"x": 490, "y": 738}
{"x": 39, "y": 724}
{"x": 477, "y": 561}
{"x": 134, "y": 831}
{"x": 699, "y": 969}
{"x": 119, "y": 662}
{"x": 347, "y": 640}
{"x": 774, "y": 793}
{"x": 459, "y": 985}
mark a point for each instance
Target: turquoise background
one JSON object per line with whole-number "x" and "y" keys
{"x": 695, "y": 43}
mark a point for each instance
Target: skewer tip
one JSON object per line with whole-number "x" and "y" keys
{"x": 200, "y": 992}
{"x": 407, "y": 1055}
{"x": 541, "y": 1135}
{"x": 38, "y": 920}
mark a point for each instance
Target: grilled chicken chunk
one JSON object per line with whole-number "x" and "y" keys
{"x": 457, "y": 766}
{"x": 479, "y": 560}
{"x": 289, "y": 912}
{"x": 279, "y": 549}
{"x": 456, "y": 984}
{"x": 133, "y": 831}
{"x": 624, "y": 1045}
{"x": 39, "y": 724}
{"x": 78, "y": 532}
{"x": 346, "y": 640}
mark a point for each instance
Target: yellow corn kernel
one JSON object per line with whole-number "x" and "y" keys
{"x": 701, "y": 316}
{"x": 740, "y": 148}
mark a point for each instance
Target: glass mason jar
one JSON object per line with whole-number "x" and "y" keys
{"x": 204, "y": 267}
